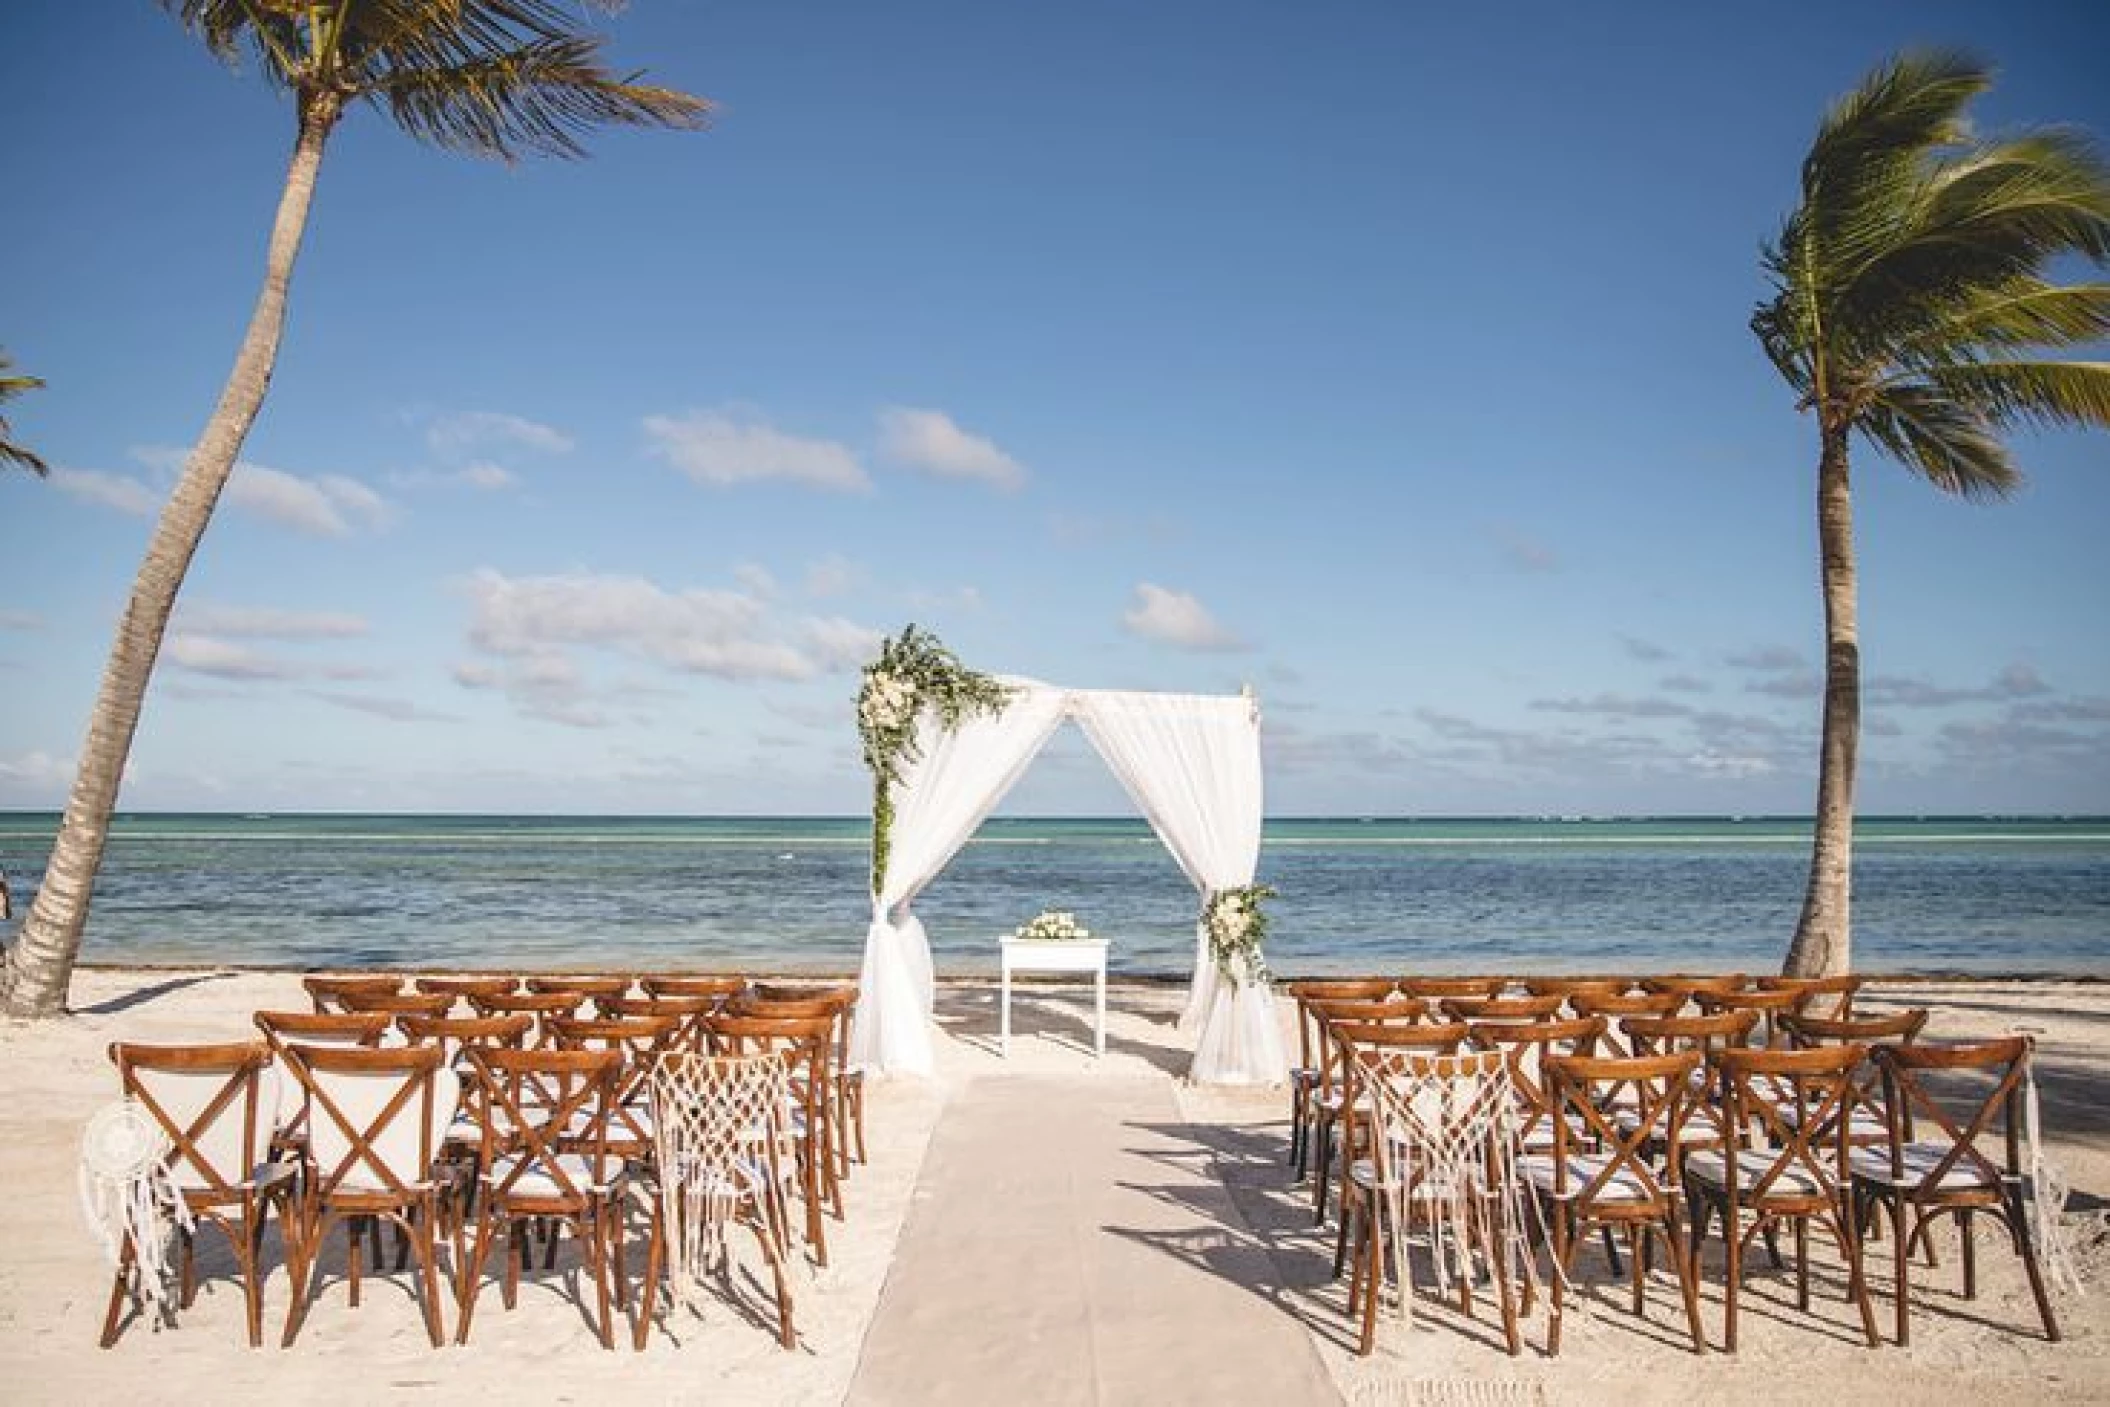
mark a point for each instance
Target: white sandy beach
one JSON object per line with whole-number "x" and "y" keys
{"x": 1251, "y": 1225}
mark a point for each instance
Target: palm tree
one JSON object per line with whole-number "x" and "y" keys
{"x": 496, "y": 78}
{"x": 11, "y": 387}
{"x": 1911, "y": 308}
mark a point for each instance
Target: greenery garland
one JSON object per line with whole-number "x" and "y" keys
{"x": 1237, "y": 927}
{"x": 914, "y": 674}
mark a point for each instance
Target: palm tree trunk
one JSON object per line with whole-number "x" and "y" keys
{"x": 1824, "y": 936}
{"x": 40, "y": 965}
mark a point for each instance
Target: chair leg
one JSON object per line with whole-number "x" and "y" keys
{"x": 119, "y": 1284}
{"x": 1970, "y": 1253}
{"x": 1802, "y": 1264}
{"x": 2025, "y": 1243}
{"x": 1373, "y": 1273}
{"x": 1732, "y": 1278}
{"x": 1903, "y": 1253}
{"x": 422, "y": 1238}
{"x": 1687, "y": 1270}
{"x": 1849, "y": 1238}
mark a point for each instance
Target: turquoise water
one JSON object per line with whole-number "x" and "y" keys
{"x": 767, "y": 893}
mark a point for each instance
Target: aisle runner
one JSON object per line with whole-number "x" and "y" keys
{"x": 1069, "y": 1244}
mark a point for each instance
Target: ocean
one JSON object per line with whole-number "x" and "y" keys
{"x": 1955, "y": 894}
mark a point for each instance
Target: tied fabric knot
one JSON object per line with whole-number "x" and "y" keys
{"x": 128, "y": 1197}
{"x": 2044, "y": 1196}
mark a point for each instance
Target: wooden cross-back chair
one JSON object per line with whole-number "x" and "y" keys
{"x": 804, "y": 1043}
{"x": 583, "y": 985}
{"x": 1528, "y": 1045}
{"x": 327, "y": 991}
{"x": 1936, "y": 1161}
{"x": 1437, "y": 988}
{"x": 376, "y": 1123}
{"x": 1831, "y": 997}
{"x": 1769, "y": 1005}
{"x": 539, "y": 1005}
{"x": 1504, "y": 1008}
{"x": 1867, "y": 1122}
{"x": 1707, "y": 1119}
{"x": 1602, "y": 1171}
{"x": 1443, "y": 1157}
{"x": 1361, "y": 1047}
{"x": 1572, "y": 987}
{"x": 840, "y": 1003}
{"x": 688, "y": 1013}
{"x": 1614, "y": 1006}
{"x": 283, "y": 1028}
{"x": 1791, "y": 1108}
{"x": 1691, "y": 984}
{"x": 692, "y": 984}
{"x": 398, "y": 1003}
{"x": 547, "y": 1158}
{"x": 1311, "y": 1044}
{"x": 642, "y": 1041}
{"x": 217, "y": 1105}
{"x": 1327, "y": 1096}
{"x": 718, "y": 1120}
{"x": 468, "y": 984}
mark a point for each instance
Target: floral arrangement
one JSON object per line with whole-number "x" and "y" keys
{"x": 914, "y": 673}
{"x": 1054, "y": 925}
{"x": 1237, "y": 926}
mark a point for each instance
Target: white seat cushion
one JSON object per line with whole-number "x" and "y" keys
{"x": 537, "y": 1181}
{"x": 1583, "y": 1169}
{"x": 1712, "y": 1167}
{"x": 1920, "y": 1161}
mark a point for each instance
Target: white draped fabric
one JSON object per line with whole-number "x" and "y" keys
{"x": 1191, "y": 763}
{"x": 953, "y": 784}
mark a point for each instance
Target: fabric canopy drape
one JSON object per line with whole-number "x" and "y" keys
{"x": 1191, "y": 763}
{"x": 953, "y": 784}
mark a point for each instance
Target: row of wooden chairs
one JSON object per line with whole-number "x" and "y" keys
{"x": 374, "y": 1111}
{"x": 1682, "y": 1118}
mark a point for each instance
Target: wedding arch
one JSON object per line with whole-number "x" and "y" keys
{"x": 945, "y": 745}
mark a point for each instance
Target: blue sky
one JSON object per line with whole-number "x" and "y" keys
{"x": 1388, "y": 358}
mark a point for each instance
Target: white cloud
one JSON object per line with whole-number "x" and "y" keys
{"x": 841, "y": 645}
{"x": 268, "y": 623}
{"x": 929, "y": 440}
{"x": 223, "y": 659}
{"x": 485, "y": 474}
{"x": 721, "y": 448}
{"x": 20, "y": 620}
{"x": 755, "y": 579}
{"x": 376, "y": 706}
{"x": 1176, "y": 618}
{"x": 36, "y": 779}
{"x": 1717, "y": 764}
{"x": 328, "y": 506}
{"x": 106, "y": 490}
{"x": 470, "y": 429}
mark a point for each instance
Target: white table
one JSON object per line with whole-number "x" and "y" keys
{"x": 1058, "y": 955}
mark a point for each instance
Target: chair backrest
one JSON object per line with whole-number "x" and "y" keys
{"x": 1809, "y": 1031}
{"x": 1504, "y": 1008}
{"x": 454, "y": 1033}
{"x": 1311, "y": 1040}
{"x": 539, "y": 1005}
{"x": 688, "y": 1013}
{"x": 1791, "y": 1109}
{"x": 687, "y": 984}
{"x": 532, "y": 1107}
{"x": 376, "y": 1118}
{"x": 493, "y": 984}
{"x": 1528, "y": 1046}
{"x": 1768, "y": 1004}
{"x": 596, "y": 985}
{"x": 1657, "y": 1089}
{"x": 399, "y": 1003}
{"x": 804, "y": 1042}
{"x": 1615, "y": 1005}
{"x": 338, "y": 1028}
{"x": 1577, "y": 986}
{"x": 1823, "y": 996}
{"x": 718, "y": 1126}
{"x": 1324, "y": 1013}
{"x": 1963, "y": 1121}
{"x": 642, "y": 1041}
{"x": 1446, "y": 1120}
{"x": 1658, "y": 1035}
{"x": 327, "y": 992}
{"x": 1693, "y": 983}
{"x": 214, "y": 1103}
{"x": 1436, "y": 988}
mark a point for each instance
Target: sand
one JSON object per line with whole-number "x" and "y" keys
{"x": 55, "y": 1284}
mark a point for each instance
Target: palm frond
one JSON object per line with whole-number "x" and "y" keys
{"x": 1942, "y": 439}
{"x": 11, "y": 387}
{"x": 539, "y": 97}
{"x": 492, "y": 77}
{"x": 2044, "y": 394}
{"x": 2023, "y": 312}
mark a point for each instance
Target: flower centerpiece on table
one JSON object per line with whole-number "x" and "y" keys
{"x": 1237, "y": 926}
{"x": 1052, "y": 926}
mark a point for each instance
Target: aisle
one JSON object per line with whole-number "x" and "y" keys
{"x": 1070, "y": 1243}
